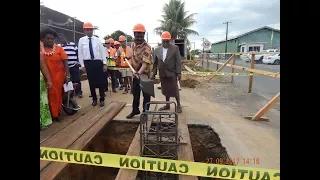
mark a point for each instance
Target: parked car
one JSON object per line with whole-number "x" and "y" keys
{"x": 272, "y": 59}
{"x": 258, "y": 57}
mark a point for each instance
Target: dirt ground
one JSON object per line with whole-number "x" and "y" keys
{"x": 223, "y": 106}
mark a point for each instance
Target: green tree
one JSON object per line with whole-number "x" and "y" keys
{"x": 176, "y": 20}
{"x": 115, "y": 35}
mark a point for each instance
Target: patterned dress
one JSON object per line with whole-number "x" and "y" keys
{"x": 45, "y": 116}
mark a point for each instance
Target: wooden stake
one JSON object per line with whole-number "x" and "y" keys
{"x": 251, "y": 77}
{"x": 233, "y": 63}
{"x": 266, "y": 108}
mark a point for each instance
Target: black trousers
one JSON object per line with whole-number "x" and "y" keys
{"x": 75, "y": 78}
{"x": 113, "y": 78}
{"x": 136, "y": 96}
{"x": 119, "y": 76}
{"x": 95, "y": 76}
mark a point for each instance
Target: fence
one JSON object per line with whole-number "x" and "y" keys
{"x": 251, "y": 70}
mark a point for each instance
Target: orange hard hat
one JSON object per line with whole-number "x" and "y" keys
{"x": 166, "y": 35}
{"x": 111, "y": 40}
{"x": 87, "y": 25}
{"x": 122, "y": 38}
{"x": 116, "y": 43}
{"x": 139, "y": 28}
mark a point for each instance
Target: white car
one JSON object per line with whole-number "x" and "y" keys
{"x": 272, "y": 59}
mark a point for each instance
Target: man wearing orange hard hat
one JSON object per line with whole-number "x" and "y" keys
{"x": 92, "y": 58}
{"x": 117, "y": 59}
{"x": 125, "y": 53}
{"x": 111, "y": 42}
{"x": 167, "y": 59}
{"x": 141, "y": 62}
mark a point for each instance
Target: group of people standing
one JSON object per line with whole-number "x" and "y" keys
{"x": 61, "y": 64}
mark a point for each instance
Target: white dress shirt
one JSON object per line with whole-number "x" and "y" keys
{"x": 164, "y": 51}
{"x": 98, "y": 50}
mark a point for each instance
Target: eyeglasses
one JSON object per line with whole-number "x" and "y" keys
{"x": 106, "y": 43}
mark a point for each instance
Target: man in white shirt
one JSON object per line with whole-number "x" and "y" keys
{"x": 92, "y": 58}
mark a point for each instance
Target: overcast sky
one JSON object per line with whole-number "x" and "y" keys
{"x": 111, "y": 15}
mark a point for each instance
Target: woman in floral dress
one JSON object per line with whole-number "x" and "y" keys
{"x": 45, "y": 116}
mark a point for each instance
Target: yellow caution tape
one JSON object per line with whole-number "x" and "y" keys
{"x": 157, "y": 165}
{"x": 225, "y": 74}
{"x": 117, "y": 68}
{"x": 209, "y": 73}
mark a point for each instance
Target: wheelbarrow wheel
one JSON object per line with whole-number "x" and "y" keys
{"x": 72, "y": 104}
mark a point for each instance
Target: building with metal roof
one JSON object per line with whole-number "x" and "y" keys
{"x": 256, "y": 40}
{"x": 61, "y": 23}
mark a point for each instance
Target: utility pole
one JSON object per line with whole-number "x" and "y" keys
{"x": 74, "y": 29}
{"x": 227, "y": 23}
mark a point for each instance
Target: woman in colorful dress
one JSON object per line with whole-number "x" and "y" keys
{"x": 57, "y": 63}
{"x": 45, "y": 116}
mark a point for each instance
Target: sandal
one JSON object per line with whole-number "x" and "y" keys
{"x": 125, "y": 92}
{"x": 165, "y": 107}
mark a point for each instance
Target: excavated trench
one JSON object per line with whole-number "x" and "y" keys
{"x": 116, "y": 138}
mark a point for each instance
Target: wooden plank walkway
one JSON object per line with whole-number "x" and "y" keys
{"x": 76, "y": 134}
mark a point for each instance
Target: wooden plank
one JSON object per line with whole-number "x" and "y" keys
{"x": 224, "y": 65}
{"x": 134, "y": 150}
{"x": 189, "y": 69}
{"x": 265, "y": 73}
{"x": 266, "y": 108}
{"x": 251, "y": 77}
{"x": 68, "y": 135}
{"x": 185, "y": 152}
{"x": 54, "y": 168}
{"x": 55, "y": 127}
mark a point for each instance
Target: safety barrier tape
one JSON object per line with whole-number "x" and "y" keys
{"x": 157, "y": 165}
{"x": 227, "y": 74}
{"x": 212, "y": 73}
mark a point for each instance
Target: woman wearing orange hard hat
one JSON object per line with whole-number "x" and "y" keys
{"x": 167, "y": 59}
{"x": 125, "y": 53}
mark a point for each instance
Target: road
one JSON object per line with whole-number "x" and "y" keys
{"x": 265, "y": 86}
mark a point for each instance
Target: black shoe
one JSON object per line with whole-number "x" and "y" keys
{"x": 132, "y": 114}
{"x": 80, "y": 95}
{"x": 101, "y": 103}
{"x": 121, "y": 87}
{"x": 94, "y": 102}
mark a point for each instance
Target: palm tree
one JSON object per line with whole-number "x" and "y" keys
{"x": 176, "y": 20}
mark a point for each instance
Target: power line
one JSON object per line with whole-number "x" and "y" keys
{"x": 261, "y": 10}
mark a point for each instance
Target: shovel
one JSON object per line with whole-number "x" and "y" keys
{"x": 146, "y": 85}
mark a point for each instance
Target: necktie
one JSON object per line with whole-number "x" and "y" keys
{"x": 91, "y": 49}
